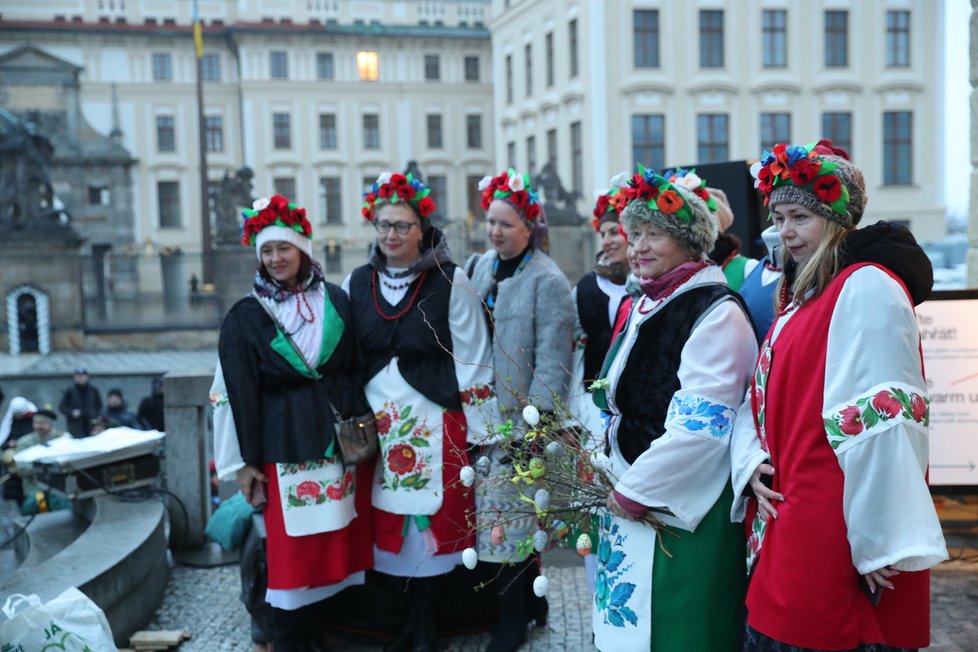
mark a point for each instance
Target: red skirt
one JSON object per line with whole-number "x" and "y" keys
{"x": 451, "y": 525}
{"x": 318, "y": 559}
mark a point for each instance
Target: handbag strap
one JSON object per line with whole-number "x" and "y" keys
{"x": 288, "y": 338}
{"x": 17, "y": 600}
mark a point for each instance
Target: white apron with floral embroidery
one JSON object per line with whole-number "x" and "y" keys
{"x": 622, "y": 612}
{"x": 408, "y": 478}
{"x": 317, "y": 496}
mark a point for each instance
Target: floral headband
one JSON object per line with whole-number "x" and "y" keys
{"x": 613, "y": 201}
{"x": 658, "y": 193}
{"x": 513, "y": 186}
{"x": 689, "y": 180}
{"x": 800, "y": 166}
{"x": 274, "y": 211}
{"x": 393, "y": 188}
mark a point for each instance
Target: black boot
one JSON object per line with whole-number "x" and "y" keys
{"x": 402, "y": 640}
{"x": 510, "y": 630}
{"x": 423, "y": 592}
{"x": 296, "y": 630}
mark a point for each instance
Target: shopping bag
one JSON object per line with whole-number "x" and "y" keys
{"x": 70, "y": 622}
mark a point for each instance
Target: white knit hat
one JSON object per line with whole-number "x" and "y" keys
{"x": 276, "y": 220}
{"x": 277, "y": 233}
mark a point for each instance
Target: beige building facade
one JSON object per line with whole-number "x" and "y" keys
{"x": 317, "y": 97}
{"x": 599, "y": 86}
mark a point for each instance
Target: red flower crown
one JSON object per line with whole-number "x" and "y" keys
{"x": 802, "y": 167}
{"x": 613, "y": 201}
{"x": 658, "y": 193}
{"x": 275, "y": 210}
{"x": 394, "y": 188}
{"x": 513, "y": 186}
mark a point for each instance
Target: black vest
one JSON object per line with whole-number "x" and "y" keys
{"x": 592, "y": 310}
{"x": 420, "y": 339}
{"x": 650, "y": 376}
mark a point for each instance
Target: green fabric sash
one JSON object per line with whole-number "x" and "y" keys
{"x": 333, "y": 327}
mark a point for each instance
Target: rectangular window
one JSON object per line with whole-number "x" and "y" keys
{"x": 327, "y": 131}
{"x": 282, "y": 130}
{"x": 775, "y": 128}
{"x": 99, "y": 195}
{"x": 284, "y": 186}
{"x": 333, "y": 253}
{"x": 549, "y": 44}
{"x": 434, "y": 131}
{"x": 528, "y": 52}
{"x": 474, "y": 194}
{"x": 162, "y": 66}
{"x": 432, "y": 67}
{"x": 324, "y": 65}
{"x": 473, "y": 131}
{"x": 774, "y": 38}
{"x": 509, "y": 79}
{"x": 649, "y": 140}
{"x": 278, "y": 63}
{"x": 836, "y": 39}
{"x": 330, "y": 203}
{"x": 572, "y": 47}
{"x": 511, "y": 154}
{"x": 897, "y": 39}
{"x": 577, "y": 158}
{"x": 471, "y": 69}
{"x": 439, "y": 194}
{"x": 165, "y": 134}
{"x": 368, "y": 65}
{"x": 214, "y": 133}
{"x": 371, "y": 131}
{"x": 552, "y": 146}
{"x": 531, "y": 155}
{"x": 210, "y": 67}
{"x": 646, "y": 38}
{"x": 168, "y": 201}
{"x": 897, "y": 148}
{"x": 837, "y": 127}
{"x": 711, "y": 38}
{"x": 712, "y": 138}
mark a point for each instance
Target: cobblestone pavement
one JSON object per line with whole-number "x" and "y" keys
{"x": 205, "y": 602}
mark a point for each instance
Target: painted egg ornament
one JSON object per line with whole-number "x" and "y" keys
{"x": 498, "y": 535}
{"x": 540, "y": 585}
{"x": 541, "y": 499}
{"x": 584, "y": 545}
{"x": 537, "y": 468}
{"x": 531, "y": 415}
{"x": 482, "y": 466}
{"x": 540, "y": 540}
{"x": 470, "y": 558}
{"x": 467, "y": 475}
{"x": 561, "y": 529}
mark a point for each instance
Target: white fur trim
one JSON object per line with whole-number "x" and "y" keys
{"x": 276, "y": 233}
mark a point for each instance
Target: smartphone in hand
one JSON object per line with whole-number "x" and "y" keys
{"x": 873, "y": 596}
{"x": 258, "y": 494}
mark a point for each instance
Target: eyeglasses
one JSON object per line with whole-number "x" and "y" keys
{"x": 402, "y": 228}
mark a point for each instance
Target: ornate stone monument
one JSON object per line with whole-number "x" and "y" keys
{"x": 571, "y": 244}
{"x": 234, "y": 265}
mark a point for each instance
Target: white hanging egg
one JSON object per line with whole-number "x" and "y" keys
{"x": 467, "y": 475}
{"x": 482, "y": 466}
{"x": 542, "y": 499}
{"x": 540, "y": 585}
{"x": 540, "y": 540}
{"x": 470, "y": 558}
{"x": 531, "y": 415}
{"x": 584, "y": 545}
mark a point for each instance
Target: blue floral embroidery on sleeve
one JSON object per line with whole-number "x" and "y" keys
{"x": 698, "y": 414}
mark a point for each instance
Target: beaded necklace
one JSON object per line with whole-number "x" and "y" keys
{"x": 668, "y": 293}
{"x": 397, "y": 286}
{"x": 300, "y": 298}
{"x": 491, "y": 298}
{"x": 410, "y": 304}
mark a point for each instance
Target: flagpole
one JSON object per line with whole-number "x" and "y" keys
{"x": 207, "y": 257}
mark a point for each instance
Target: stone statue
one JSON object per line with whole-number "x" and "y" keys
{"x": 231, "y": 195}
{"x": 559, "y": 203}
{"x": 26, "y": 195}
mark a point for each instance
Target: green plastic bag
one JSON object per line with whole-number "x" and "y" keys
{"x": 229, "y": 525}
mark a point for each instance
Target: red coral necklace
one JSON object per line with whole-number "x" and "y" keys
{"x": 300, "y": 298}
{"x": 410, "y": 304}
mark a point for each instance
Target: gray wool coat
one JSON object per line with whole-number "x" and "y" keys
{"x": 533, "y": 338}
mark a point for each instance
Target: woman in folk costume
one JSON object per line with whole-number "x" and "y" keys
{"x": 836, "y": 425}
{"x": 674, "y": 378}
{"x": 287, "y": 358}
{"x": 531, "y": 313}
{"x": 426, "y": 344}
